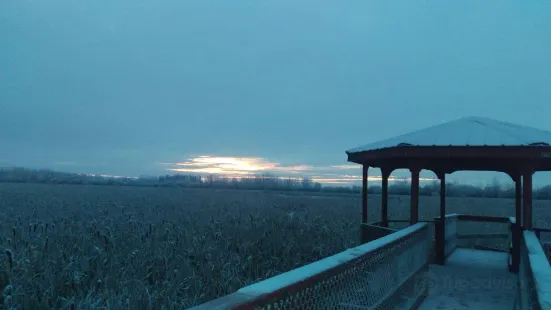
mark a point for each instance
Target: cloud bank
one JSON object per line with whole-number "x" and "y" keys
{"x": 239, "y": 167}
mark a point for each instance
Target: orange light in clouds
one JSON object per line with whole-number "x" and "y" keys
{"x": 233, "y": 165}
{"x": 210, "y": 170}
{"x": 230, "y": 163}
{"x": 239, "y": 167}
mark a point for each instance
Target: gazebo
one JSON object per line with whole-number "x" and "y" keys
{"x": 395, "y": 268}
{"x": 466, "y": 144}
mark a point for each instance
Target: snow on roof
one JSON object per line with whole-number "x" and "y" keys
{"x": 468, "y": 131}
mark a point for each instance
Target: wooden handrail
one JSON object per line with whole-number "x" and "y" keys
{"x": 407, "y": 221}
{"x": 480, "y": 218}
{"x": 489, "y": 235}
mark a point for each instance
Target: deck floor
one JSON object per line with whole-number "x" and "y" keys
{"x": 471, "y": 279}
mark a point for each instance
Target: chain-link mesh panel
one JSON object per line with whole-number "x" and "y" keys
{"x": 398, "y": 225}
{"x": 431, "y": 232}
{"x": 388, "y": 277}
{"x": 483, "y": 234}
{"x": 450, "y": 234}
{"x": 545, "y": 237}
{"x": 547, "y": 249}
{"x": 432, "y": 237}
{"x": 384, "y": 279}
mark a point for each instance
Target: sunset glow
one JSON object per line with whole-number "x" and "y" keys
{"x": 240, "y": 167}
{"x": 234, "y": 165}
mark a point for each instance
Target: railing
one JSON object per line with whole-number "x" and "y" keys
{"x": 379, "y": 229}
{"x": 374, "y": 231}
{"x": 382, "y": 274}
{"x": 513, "y": 259}
{"x": 492, "y": 233}
{"x": 544, "y": 236}
{"x": 538, "y": 231}
{"x": 446, "y": 237}
{"x": 534, "y": 289}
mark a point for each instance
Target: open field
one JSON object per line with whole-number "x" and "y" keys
{"x": 149, "y": 248}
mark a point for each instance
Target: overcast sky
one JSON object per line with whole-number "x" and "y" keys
{"x": 134, "y": 87}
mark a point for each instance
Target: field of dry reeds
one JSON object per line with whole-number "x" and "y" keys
{"x": 98, "y": 247}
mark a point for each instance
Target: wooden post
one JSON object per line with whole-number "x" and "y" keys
{"x": 364, "y": 194}
{"x": 442, "y": 195}
{"x": 527, "y": 199}
{"x": 414, "y": 205}
{"x": 385, "y": 173}
{"x": 515, "y": 231}
{"x": 518, "y": 199}
{"x": 442, "y": 238}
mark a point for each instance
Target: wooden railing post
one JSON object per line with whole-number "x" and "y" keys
{"x": 440, "y": 241}
{"x": 514, "y": 226}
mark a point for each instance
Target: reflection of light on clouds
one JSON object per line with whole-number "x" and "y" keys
{"x": 295, "y": 168}
{"x": 210, "y": 170}
{"x": 347, "y": 167}
{"x": 243, "y": 167}
{"x": 234, "y": 165}
{"x": 110, "y": 176}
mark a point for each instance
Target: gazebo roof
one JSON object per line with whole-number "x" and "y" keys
{"x": 471, "y": 143}
{"x": 468, "y": 131}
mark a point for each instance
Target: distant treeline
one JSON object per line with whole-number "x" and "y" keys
{"x": 25, "y": 175}
{"x": 263, "y": 182}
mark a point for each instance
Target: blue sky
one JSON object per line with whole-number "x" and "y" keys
{"x": 127, "y": 87}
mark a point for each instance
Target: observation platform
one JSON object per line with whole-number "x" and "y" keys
{"x": 455, "y": 261}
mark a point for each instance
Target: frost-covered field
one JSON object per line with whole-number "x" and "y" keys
{"x": 140, "y": 248}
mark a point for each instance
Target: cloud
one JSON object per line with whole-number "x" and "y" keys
{"x": 346, "y": 167}
{"x": 239, "y": 167}
{"x": 65, "y": 163}
{"x": 227, "y": 165}
{"x": 110, "y": 176}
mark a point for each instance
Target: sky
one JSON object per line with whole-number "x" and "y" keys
{"x": 274, "y": 86}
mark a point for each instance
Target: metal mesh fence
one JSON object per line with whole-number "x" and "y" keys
{"x": 385, "y": 279}
{"x": 547, "y": 249}
{"x": 391, "y": 276}
{"x": 431, "y": 232}
{"x": 489, "y": 235}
